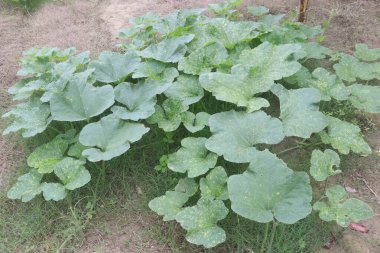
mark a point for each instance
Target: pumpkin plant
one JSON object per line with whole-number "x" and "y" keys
{"x": 236, "y": 87}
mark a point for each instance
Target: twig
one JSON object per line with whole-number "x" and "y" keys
{"x": 369, "y": 188}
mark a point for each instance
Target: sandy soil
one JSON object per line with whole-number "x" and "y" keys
{"x": 93, "y": 25}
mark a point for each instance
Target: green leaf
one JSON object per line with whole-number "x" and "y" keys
{"x": 337, "y": 135}
{"x": 109, "y": 137}
{"x": 269, "y": 190}
{"x": 329, "y": 85}
{"x": 187, "y": 89}
{"x": 234, "y": 134}
{"x": 192, "y": 158}
{"x": 215, "y": 184}
{"x": 31, "y": 118}
{"x": 200, "y": 221}
{"x": 187, "y": 185}
{"x": 168, "y": 116}
{"x": 195, "y": 123}
{"x": 155, "y": 70}
{"x": 112, "y": 67}
{"x": 256, "y": 73}
{"x": 168, "y": 50}
{"x": 300, "y": 113}
{"x": 26, "y": 187}
{"x": 340, "y": 209}
{"x": 72, "y": 173}
{"x": 139, "y": 99}
{"x": 46, "y": 156}
{"x": 53, "y": 191}
{"x": 25, "y": 88}
{"x": 169, "y": 204}
{"x": 349, "y": 69}
{"x": 177, "y": 22}
{"x": 257, "y": 11}
{"x": 322, "y": 164}
{"x": 76, "y": 150}
{"x": 80, "y": 101}
{"x": 364, "y": 53}
{"x": 203, "y": 59}
{"x": 314, "y": 50}
{"x": 365, "y": 97}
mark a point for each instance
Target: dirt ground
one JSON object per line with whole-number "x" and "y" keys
{"x": 93, "y": 25}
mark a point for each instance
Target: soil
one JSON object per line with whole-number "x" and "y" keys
{"x": 93, "y": 25}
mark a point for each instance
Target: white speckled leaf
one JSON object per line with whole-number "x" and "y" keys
{"x": 300, "y": 113}
{"x": 139, "y": 99}
{"x": 187, "y": 186}
{"x": 53, "y": 191}
{"x": 200, "y": 221}
{"x": 168, "y": 116}
{"x": 234, "y": 134}
{"x": 314, "y": 50}
{"x": 269, "y": 190}
{"x": 341, "y": 209}
{"x": 72, "y": 173}
{"x": 322, "y": 164}
{"x": 26, "y": 187}
{"x": 349, "y": 69}
{"x": 30, "y": 118}
{"x": 187, "y": 89}
{"x": 195, "y": 123}
{"x": 364, "y": 53}
{"x": 168, "y": 50}
{"x": 169, "y": 204}
{"x": 112, "y": 66}
{"x": 192, "y": 158}
{"x": 214, "y": 185}
{"x": 257, "y": 11}
{"x": 109, "y": 137}
{"x": 344, "y": 137}
{"x": 203, "y": 59}
{"x": 365, "y": 97}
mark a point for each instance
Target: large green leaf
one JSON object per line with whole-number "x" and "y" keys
{"x": 53, "y": 191}
{"x": 155, "y": 70}
{"x": 30, "y": 118}
{"x": 364, "y": 53}
{"x": 25, "y": 88}
{"x": 81, "y": 100}
{"x": 112, "y": 67}
{"x": 349, "y": 69}
{"x": 200, "y": 221}
{"x": 195, "y": 123}
{"x": 72, "y": 173}
{"x": 234, "y": 134}
{"x": 256, "y": 73}
{"x": 257, "y": 11}
{"x": 169, "y": 204}
{"x": 187, "y": 89}
{"x": 168, "y": 116}
{"x": 314, "y": 50}
{"x": 341, "y": 209}
{"x": 203, "y": 59}
{"x": 322, "y": 164}
{"x": 228, "y": 33}
{"x": 26, "y": 187}
{"x": 214, "y": 185}
{"x": 187, "y": 186}
{"x": 300, "y": 113}
{"x": 365, "y": 97}
{"x": 139, "y": 99}
{"x": 192, "y": 158}
{"x": 109, "y": 137}
{"x": 344, "y": 137}
{"x": 269, "y": 190}
{"x": 328, "y": 85}
{"x": 46, "y": 156}
{"x": 168, "y": 50}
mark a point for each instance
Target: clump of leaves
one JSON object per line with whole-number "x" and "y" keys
{"x": 232, "y": 87}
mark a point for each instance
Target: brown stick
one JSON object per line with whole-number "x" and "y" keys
{"x": 302, "y": 10}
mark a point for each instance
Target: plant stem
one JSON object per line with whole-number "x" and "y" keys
{"x": 272, "y": 237}
{"x": 265, "y": 238}
{"x": 54, "y": 129}
{"x": 287, "y": 150}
